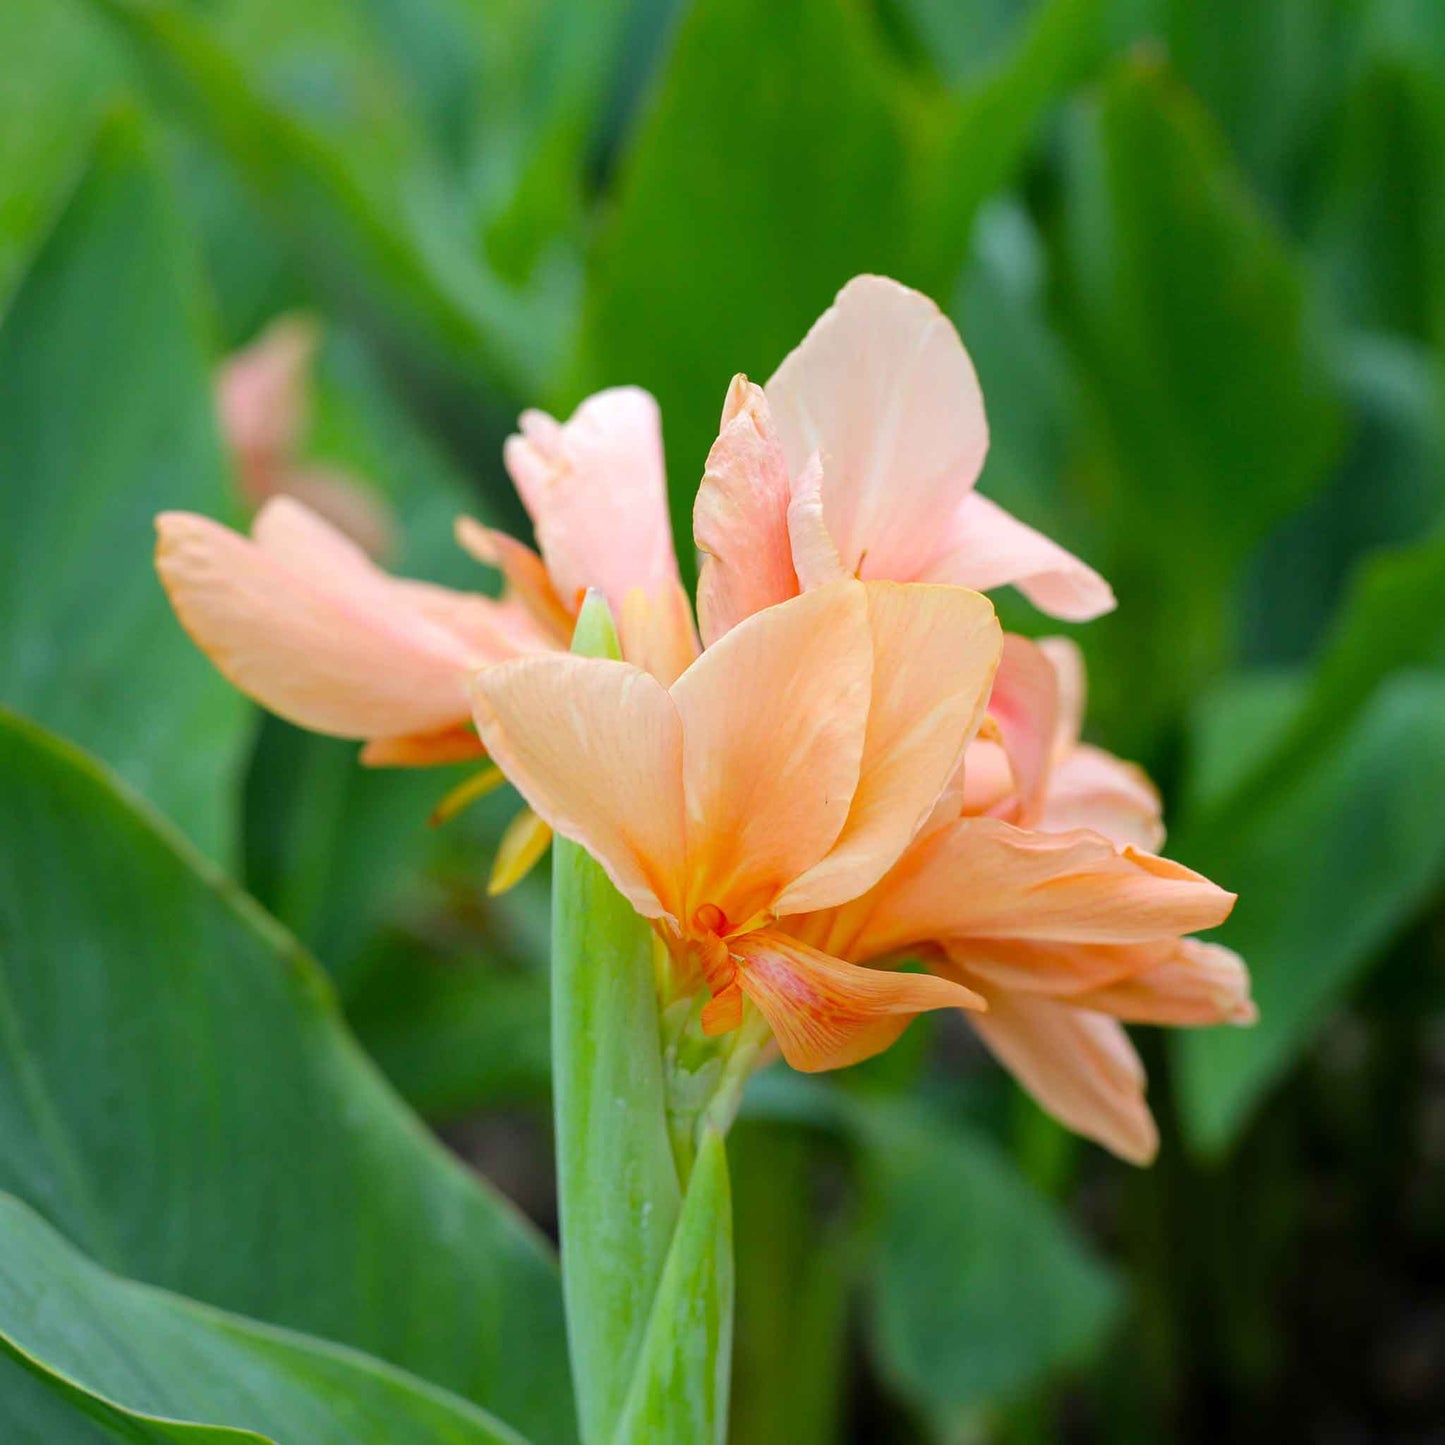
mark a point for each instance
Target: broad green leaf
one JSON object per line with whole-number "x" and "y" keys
{"x": 1328, "y": 868}
{"x": 617, "y": 1186}
{"x": 56, "y": 75}
{"x": 179, "y": 1098}
{"x": 1211, "y": 412}
{"x": 978, "y": 1287}
{"x": 393, "y": 256}
{"x": 107, "y": 416}
{"x": 139, "y": 1359}
{"x": 679, "y": 1394}
{"x": 726, "y": 240}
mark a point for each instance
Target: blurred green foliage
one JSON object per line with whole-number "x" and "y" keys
{"x": 1198, "y": 253}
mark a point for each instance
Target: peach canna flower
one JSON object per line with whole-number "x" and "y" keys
{"x": 299, "y": 618}
{"x": 783, "y": 772}
{"x": 859, "y": 458}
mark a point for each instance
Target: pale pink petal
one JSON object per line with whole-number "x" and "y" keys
{"x": 1025, "y": 708}
{"x": 595, "y": 747}
{"x": 987, "y": 782}
{"x": 980, "y": 545}
{"x": 1090, "y": 788}
{"x": 774, "y": 717}
{"x": 883, "y": 389}
{"x": 1079, "y": 1066}
{"x": 657, "y": 634}
{"x": 815, "y": 555}
{"x": 1054, "y": 967}
{"x": 934, "y": 654}
{"x": 740, "y": 518}
{"x": 827, "y": 1014}
{"x": 596, "y": 491}
{"x": 1196, "y": 985}
{"x": 353, "y": 508}
{"x": 983, "y": 878}
{"x": 262, "y": 396}
{"x": 332, "y": 647}
{"x": 1073, "y": 686}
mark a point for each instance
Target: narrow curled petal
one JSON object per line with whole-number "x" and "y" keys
{"x": 815, "y": 554}
{"x": 1196, "y": 985}
{"x": 595, "y": 747}
{"x": 424, "y": 750}
{"x": 526, "y": 839}
{"x": 1025, "y": 707}
{"x": 596, "y": 491}
{"x": 883, "y": 388}
{"x": 1079, "y": 1066}
{"x": 525, "y": 574}
{"x": 774, "y": 717}
{"x": 826, "y": 1014}
{"x": 934, "y": 654}
{"x": 982, "y": 878}
{"x": 334, "y": 647}
{"x": 983, "y": 546}
{"x": 740, "y": 518}
{"x": 1090, "y": 788}
{"x": 657, "y": 634}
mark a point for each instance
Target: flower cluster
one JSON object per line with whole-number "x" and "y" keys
{"x": 845, "y": 797}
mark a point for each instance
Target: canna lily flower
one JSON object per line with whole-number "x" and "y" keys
{"x": 299, "y": 618}
{"x": 263, "y": 398}
{"x": 783, "y": 772}
{"x": 859, "y": 458}
{"x": 1035, "y": 884}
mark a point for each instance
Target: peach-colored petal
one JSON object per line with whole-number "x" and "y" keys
{"x": 934, "y": 654}
{"x": 1196, "y": 985}
{"x": 354, "y": 509}
{"x": 983, "y": 878}
{"x": 1090, "y": 788}
{"x": 424, "y": 750}
{"x": 815, "y": 554}
{"x": 982, "y": 546}
{"x": 988, "y": 780}
{"x": 774, "y": 717}
{"x": 331, "y": 648}
{"x": 1079, "y": 1066}
{"x": 826, "y": 1014}
{"x": 525, "y": 574}
{"x": 1025, "y": 707}
{"x": 883, "y": 388}
{"x": 595, "y": 747}
{"x": 1073, "y": 688}
{"x": 657, "y": 634}
{"x": 740, "y": 518}
{"x": 596, "y": 491}
{"x": 1053, "y": 967}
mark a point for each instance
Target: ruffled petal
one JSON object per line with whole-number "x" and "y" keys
{"x": 595, "y": 747}
{"x": 1092, "y": 789}
{"x": 1079, "y": 1066}
{"x": 827, "y": 1014}
{"x": 774, "y": 717}
{"x": 934, "y": 654}
{"x": 740, "y": 518}
{"x": 596, "y": 491}
{"x": 1196, "y": 985}
{"x": 984, "y": 547}
{"x": 322, "y": 638}
{"x": 883, "y": 389}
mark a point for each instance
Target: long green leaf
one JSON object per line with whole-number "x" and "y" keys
{"x": 142, "y": 1358}
{"x": 180, "y": 1099}
{"x": 679, "y": 1395}
{"x": 617, "y": 1184}
{"x": 106, "y": 411}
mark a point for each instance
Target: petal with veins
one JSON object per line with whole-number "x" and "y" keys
{"x": 595, "y": 747}
{"x": 1196, "y": 985}
{"x": 826, "y": 1014}
{"x": 1079, "y": 1066}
